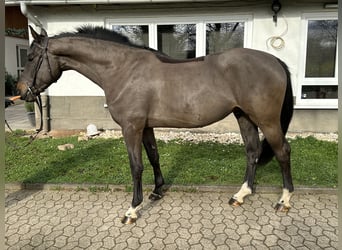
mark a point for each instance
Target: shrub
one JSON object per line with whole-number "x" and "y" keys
{"x": 10, "y": 82}
{"x": 29, "y": 106}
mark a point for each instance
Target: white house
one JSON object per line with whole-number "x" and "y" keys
{"x": 304, "y": 36}
{"x": 15, "y": 54}
{"x": 16, "y": 40}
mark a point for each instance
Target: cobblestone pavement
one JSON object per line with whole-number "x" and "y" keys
{"x": 16, "y": 117}
{"x": 45, "y": 219}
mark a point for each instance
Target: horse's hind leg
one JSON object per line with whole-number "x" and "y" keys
{"x": 250, "y": 136}
{"x": 153, "y": 156}
{"x": 282, "y": 151}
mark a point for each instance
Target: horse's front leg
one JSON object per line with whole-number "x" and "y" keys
{"x": 133, "y": 140}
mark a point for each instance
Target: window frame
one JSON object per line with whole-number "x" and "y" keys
{"x": 20, "y": 68}
{"x": 129, "y": 22}
{"x": 247, "y": 19}
{"x": 125, "y": 24}
{"x": 316, "y": 81}
{"x": 199, "y": 21}
{"x": 155, "y": 27}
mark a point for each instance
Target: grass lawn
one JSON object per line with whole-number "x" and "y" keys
{"x": 105, "y": 161}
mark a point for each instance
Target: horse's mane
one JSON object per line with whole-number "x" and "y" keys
{"x": 101, "y": 33}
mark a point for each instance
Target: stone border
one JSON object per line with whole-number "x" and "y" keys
{"x": 170, "y": 188}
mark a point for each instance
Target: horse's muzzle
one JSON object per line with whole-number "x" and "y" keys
{"x": 25, "y": 92}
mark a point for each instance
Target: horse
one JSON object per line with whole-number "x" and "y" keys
{"x": 146, "y": 89}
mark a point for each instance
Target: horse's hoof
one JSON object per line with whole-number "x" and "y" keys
{"x": 282, "y": 208}
{"x": 155, "y": 197}
{"x": 233, "y": 202}
{"x": 128, "y": 220}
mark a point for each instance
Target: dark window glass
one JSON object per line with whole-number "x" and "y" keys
{"x": 178, "y": 40}
{"x": 137, "y": 34}
{"x": 321, "y": 48}
{"x": 320, "y": 92}
{"x": 223, "y": 36}
{"x": 23, "y": 57}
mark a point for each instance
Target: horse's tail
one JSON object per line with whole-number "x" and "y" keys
{"x": 285, "y": 118}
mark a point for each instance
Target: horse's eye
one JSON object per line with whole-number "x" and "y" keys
{"x": 30, "y": 57}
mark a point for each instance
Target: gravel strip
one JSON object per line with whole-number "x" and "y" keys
{"x": 224, "y": 138}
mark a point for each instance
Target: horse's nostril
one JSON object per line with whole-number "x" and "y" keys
{"x": 21, "y": 87}
{"x": 17, "y": 92}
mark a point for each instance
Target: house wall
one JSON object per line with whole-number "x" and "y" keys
{"x": 73, "y": 92}
{"x": 74, "y": 112}
{"x": 11, "y": 52}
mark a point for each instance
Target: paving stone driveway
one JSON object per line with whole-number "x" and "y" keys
{"x": 201, "y": 220}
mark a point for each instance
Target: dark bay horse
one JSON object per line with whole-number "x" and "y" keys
{"x": 145, "y": 89}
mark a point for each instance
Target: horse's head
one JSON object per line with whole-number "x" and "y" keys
{"x": 41, "y": 69}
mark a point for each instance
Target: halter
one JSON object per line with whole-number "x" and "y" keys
{"x": 36, "y": 92}
{"x": 43, "y": 55}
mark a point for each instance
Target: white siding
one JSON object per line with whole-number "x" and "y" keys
{"x": 11, "y": 53}
{"x": 72, "y": 83}
{"x": 262, "y": 27}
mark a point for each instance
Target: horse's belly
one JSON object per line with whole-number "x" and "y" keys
{"x": 189, "y": 118}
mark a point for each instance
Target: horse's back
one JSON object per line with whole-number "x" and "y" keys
{"x": 253, "y": 60}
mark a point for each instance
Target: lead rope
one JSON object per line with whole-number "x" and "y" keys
{"x": 8, "y": 126}
{"x": 38, "y": 98}
{"x": 35, "y": 134}
{"x": 40, "y": 108}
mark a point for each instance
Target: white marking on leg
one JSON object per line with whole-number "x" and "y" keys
{"x": 132, "y": 212}
{"x": 244, "y": 191}
{"x": 285, "y": 198}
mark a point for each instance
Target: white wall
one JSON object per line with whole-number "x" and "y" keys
{"x": 60, "y": 19}
{"x": 288, "y": 29}
{"x": 11, "y": 53}
{"x": 72, "y": 83}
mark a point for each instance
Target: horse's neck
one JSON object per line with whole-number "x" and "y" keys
{"x": 86, "y": 56}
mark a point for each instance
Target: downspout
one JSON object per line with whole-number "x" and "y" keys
{"x": 44, "y": 96}
{"x": 29, "y": 16}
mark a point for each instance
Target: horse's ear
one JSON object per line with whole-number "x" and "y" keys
{"x": 43, "y": 32}
{"x": 35, "y": 35}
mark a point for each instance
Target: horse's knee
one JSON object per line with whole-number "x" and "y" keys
{"x": 287, "y": 148}
{"x": 137, "y": 171}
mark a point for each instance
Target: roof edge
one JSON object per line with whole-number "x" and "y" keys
{"x": 66, "y": 2}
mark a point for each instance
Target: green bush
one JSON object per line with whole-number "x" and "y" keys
{"x": 10, "y": 84}
{"x": 29, "y": 106}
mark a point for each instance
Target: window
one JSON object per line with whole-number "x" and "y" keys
{"x": 137, "y": 34}
{"x": 319, "y": 92}
{"x": 223, "y": 36}
{"x": 321, "y": 48}
{"x": 318, "y": 81}
{"x": 184, "y": 36}
{"x": 177, "y": 40}
{"x": 21, "y": 58}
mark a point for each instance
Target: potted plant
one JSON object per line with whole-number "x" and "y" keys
{"x": 29, "y": 106}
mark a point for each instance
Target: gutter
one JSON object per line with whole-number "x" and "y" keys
{"x": 65, "y": 2}
{"x": 24, "y": 10}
